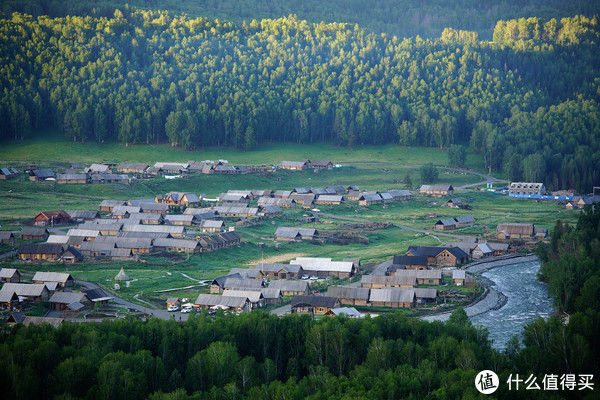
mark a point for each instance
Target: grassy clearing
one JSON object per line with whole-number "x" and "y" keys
{"x": 50, "y": 146}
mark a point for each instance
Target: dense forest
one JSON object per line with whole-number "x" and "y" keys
{"x": 258, "y": 356}
{"x": 527, "y": 101}
{"x": 404, "y": 18}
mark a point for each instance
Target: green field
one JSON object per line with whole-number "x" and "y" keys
{"x": 371, "y": 168}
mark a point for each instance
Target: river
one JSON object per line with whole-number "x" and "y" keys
{"x": 527, "y": 299}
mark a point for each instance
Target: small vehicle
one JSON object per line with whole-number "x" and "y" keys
{"x": 186, "y": 310}
{"x": 172, "y": 308}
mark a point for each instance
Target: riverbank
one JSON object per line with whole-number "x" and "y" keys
{"x": 492, "y": 299}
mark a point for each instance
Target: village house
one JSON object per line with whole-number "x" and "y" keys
{"x": 173, "y": 302}
{"x": 386, "y": 197}
{"x": 183, "y": 219}
{"x": 213, "y": 301}
{"x": 210, "y": 225}
{"x": 98, "y": 168}
{"x": 305, "y": 200}
{"x": 143, "y": 218}
{"x": 243, "y": 284}
{"x": 290, "y": 287}
{"x": 393, "y": 297}
{"x": 7, "y": 237}
{"x": 445, "y": 224}
{"x": 366, "y": 199}
{"x": 270, "y": 211}
{"x": 71, "y": 178}
{"x": 10, "y": 275}
{"x": 325, "y": 267}
{"x": 132, "y": 168}
{"x": 515, "y": 231}
{"x": 440, "y": 256}
{"x": 98, "y": 178}
{"x": 107, "y": 227}
{"x": 71, "y": 255}
{"x": 426, "y": 295}
{"x": 255, "y": 298}
{"x": 38, "y": 175}
{"x": 275, "y": 201}
{"x": 464, "y": 220}
{"x": 51, "y": 218}
{"x": 422, "y": 276}
{"x": 314, "y": 305}
{"x": 61, "y": 278}
{"x": 34, "y": 233}
{"x": 218, "y": 284}
{"x": 319, "y": 164}
{"x": 295, "y": 234}
{"x": 153, "y": 208}
{"x": 293, "y": 165}
{"x": 439, "y": 190}
{"x": 349, "y": 295}
{"x": 526, "y": 189}
{"x": 279, "y": 271}
{"x": 271, "y": 295}
{"x": 234, "y": 199}
{"x": 236, "y": 211}
{"x": 88, "y": 235}
{"x": 108, "y": 205}
{"x": 330, "y": 199}
{"x": 459, "y": 277}
{"x": 283, "y": 194}
{"x": 455, "y": 203}
{"x": 178, "y": 199}
{"x": 177, "y": 245}
{"x": 411, "y": 262}
{"x": 32, "y": 292}
{"x": 380, "y": 281}
{"x": 349, "y": 312}
{"x": 69, "y": 301}
{"x": 40, "y": 251}
{"x": 400, "y": 194}
{"x": 96, "y": 249}
{"x": 6, "y": 173}
{"x": 82, "y": 215}
{"x": 174, "y": 231}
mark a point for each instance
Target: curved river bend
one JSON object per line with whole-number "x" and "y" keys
{"x": 527, "y": 299}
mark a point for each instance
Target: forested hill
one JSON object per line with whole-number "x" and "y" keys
{"x": 528, "y": 102}
{"x": 404, "y": 18}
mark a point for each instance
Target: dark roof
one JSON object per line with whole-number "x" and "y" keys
{"x": 33, "y": 231}
{"x": 221, "y": 279}
{"x": 314, "y": 301}
{"x": 410, "y": 260}
{"x": 41, "y": 248}
{"x": 97, "y": 293}
{"x": 431, "y": 251}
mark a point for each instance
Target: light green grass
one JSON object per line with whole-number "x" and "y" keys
{"x": 50, "y": 146}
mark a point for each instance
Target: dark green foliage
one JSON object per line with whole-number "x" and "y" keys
{"x": 571, "y": 267}
{"x": 429, "y": 173}
{"x": 530, "y": 106}
{"x": 457, "y": 155}
{"x": 246, "y": 356}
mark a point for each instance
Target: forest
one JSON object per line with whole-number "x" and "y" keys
{"x": 528, "y": 101}
{"x": 260, "y": 356}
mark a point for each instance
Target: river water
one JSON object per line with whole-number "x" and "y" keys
{"x": 527, "y": 299}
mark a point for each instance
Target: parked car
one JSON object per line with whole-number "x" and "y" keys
{"x": 186, "y": 310}
{"x": 172, "y": 309}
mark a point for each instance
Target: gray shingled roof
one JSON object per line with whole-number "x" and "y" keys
{"x": 348, "y": 292}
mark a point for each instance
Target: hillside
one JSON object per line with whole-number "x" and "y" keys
{"x": 149, "y": 77}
